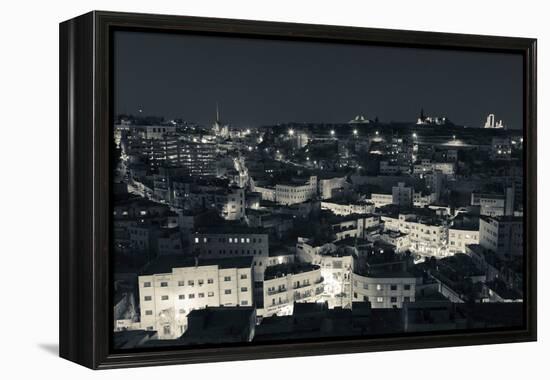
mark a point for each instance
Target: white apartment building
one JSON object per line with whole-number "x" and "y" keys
{"x": 384, "y": 291}
{"x": 427, "y": 236}
{"x": 344, "y": 209}
{"x": 328, "y": 185}
{"x": 502, "y": 235}
{"x": 380, "y": 199}
{"x": 299, "y": 192}
{"x": 336, "y": 266}
{"x": 172, "y": 286}
{"x": 288, "y": 283}
{"x": 222, "y": 242}
{"x": 459, "y": 238}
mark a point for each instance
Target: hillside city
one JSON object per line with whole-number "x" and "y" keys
{"x": 234, "y": 234}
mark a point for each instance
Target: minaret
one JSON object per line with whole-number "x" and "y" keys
{"x": 217, "y": 113}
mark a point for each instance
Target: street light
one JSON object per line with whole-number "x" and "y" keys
{"x": 414, "y": 135}
{"x": 376, "y": 133}
{"x": 355, "y": 132}
{"x": 454, "y": 137}
{"x": 332, "y": 132}
{"x": 291, "y": 132}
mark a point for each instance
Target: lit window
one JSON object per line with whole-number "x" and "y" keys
{"x": 380, "y": 299}
{"x": 231, "y": 240}
{"x": 378, "y": 287}
{"x": 196, "y": 240}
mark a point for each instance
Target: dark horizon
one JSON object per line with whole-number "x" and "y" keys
{"x": 267, "y": 82}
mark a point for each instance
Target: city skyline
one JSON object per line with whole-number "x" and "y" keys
{"x": 269, "y": 82}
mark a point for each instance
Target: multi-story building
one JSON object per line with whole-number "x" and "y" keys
{"x": 402, "y": 195}
{"x": 285, "y": 284}
{"x": 346, "y": 208}
{"x": 384, "y": 290}
{"x": 427, "y": 235}
{"x": 171, "y": 286}
{"x": 399, "y": 240}
{"x": 381, "y": 199}
{"x": 296, "y": 191}
{"x": 234, "y": 241}
{"x": 354, "y": 225}
{"x": 230, "y": 202}
{"x": 327, "y": 186}
{"x": 423, "y": 199}
{"x": 460, "y": 237}
{"x": 336, "y": 264}
{"x": 495, "y": 204}
{"x": 501, "y": 148}
{"x": 502, "y": 235}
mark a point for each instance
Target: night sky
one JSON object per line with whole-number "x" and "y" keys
{"x": 262, "y": 82}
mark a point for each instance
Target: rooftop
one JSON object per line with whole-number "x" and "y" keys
{"x": 282, "y": 270}
{"x": 165, "y": 264}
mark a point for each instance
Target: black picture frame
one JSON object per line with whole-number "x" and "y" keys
{"x": 85, "y": 136}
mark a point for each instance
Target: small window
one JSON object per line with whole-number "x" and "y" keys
{"x": 147, "y": 284}
{"x": 181, "y": 296}
{"x": 201, "y": 295}
{"x": 407, "y": 287}
{"x": 227, "y": 278}
{"x": 244, "y": 289}
{"x": 210, "y": 294}
{"x": 244, "y": 303}
{"x": 379, "y": 299}
{"x": 182, "y": 311}
{"x": 210, "y": 280}
{"x": 227, "y": 291}
{"x": 196, "y": 240}
{"x": 148, "y": 312}
{"x": 201, "y": 282}
{"x": 244, "y": 276}
{"x": 181, "y": 283}
{"x": 164, "y": 298}
{"x": 191, "y": 283}
{"x": 163, "y": 284}
{"x": 378, "y": 287}
{"x": 406, "y": 299}
{"x": 191, "y": 296}
{"x": 147, "y": 298}
{"x": 393, "y": 299}
{"x": 393, "y": 287}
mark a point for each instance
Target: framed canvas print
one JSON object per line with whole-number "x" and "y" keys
{"x": 238, "y": 190}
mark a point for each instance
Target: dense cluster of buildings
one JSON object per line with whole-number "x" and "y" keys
{"x": 224, "y": 234}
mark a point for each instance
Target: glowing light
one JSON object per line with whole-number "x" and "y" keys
{"x": 355, "y": 132}
{"x": 376, "y": 133}
{"x": 291, "y": 132}
{"x": 332, "y": 132}
{"x": 414, "y": 135}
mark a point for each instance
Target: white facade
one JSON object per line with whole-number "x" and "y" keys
{"x": 335, "y": 269}
{"x": 288, "y": 194}
{"x": 289, "y": 286}
{"x": 328, "y": 185}
{"x": 460, "y": 238}
{"x": 348, "y": 208}
{"x": 166, "y": 298}
{"x": 381, "y": 200}
{"x": 383, "y": 292}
